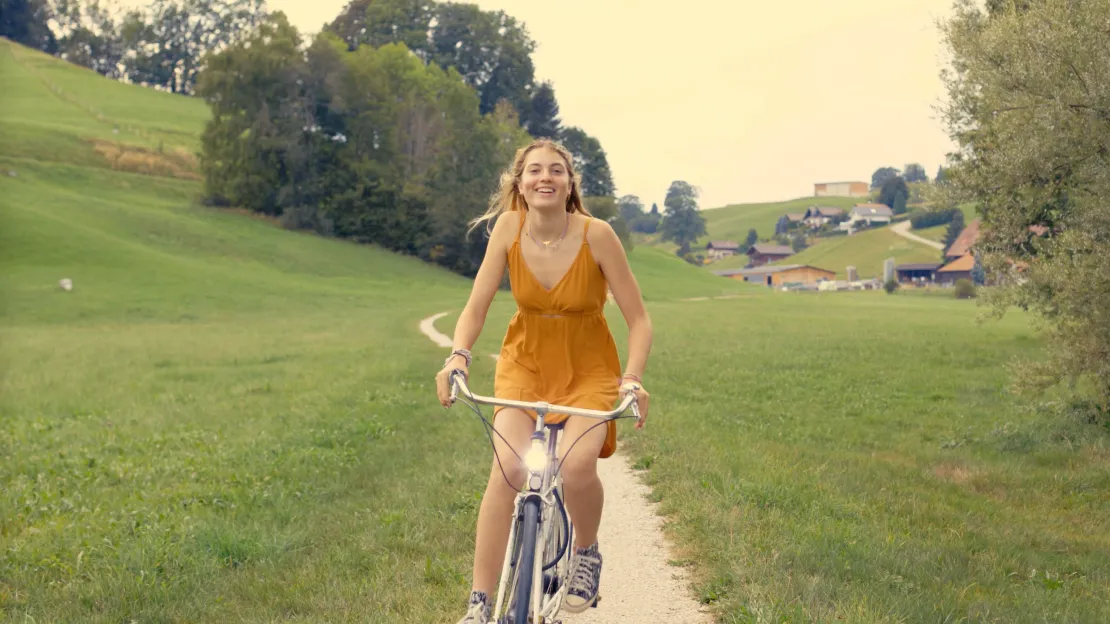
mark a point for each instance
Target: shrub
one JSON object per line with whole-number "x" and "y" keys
{"x": 891, "y": 286}
{"x": 933, "y": 218}
{"x": 965, "y": 289}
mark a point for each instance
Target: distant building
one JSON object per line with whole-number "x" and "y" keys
{"x": 721, "y": 249}
{"x": 763, "y": 253}
{"x": 841, "y": 189}
{"x": 785, "y": 275}
{"x": 960, "y": 268}
{"x": 869, "y": 213}
{"x": 919, "y": 271}
{"x": 816, "y": 216}
{"x": 964, "y": 242}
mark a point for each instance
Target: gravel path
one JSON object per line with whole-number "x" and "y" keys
{"x": 637, "y": 584}
{"x": 903, "y": 229}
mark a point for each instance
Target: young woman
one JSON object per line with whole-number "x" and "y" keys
{"x": 558, "y": 349}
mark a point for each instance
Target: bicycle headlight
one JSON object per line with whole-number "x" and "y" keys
{"x": 535, "y": 459}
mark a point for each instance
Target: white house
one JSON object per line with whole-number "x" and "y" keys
{"x": 869, "y": 213}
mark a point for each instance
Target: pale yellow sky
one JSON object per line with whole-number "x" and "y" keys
{"x": 749, "y": 101}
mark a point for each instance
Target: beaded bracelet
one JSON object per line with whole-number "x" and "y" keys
{"x": 463, "y": 352}
{"x": 635, "y": 378}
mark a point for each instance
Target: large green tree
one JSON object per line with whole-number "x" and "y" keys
{"x": 28, "y": 22}
{"x": 881, "y": 175}
{"x": 915, "y": 172}
{"x": 682, "y": 222}
{"x": 1029, "y": 105}
{"x": 590, "y": 162}
{"x": 542, "y": 118}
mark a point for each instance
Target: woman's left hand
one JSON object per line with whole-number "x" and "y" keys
{"x": 642, "y": 400}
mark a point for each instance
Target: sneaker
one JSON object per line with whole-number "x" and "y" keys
{"x": 479, "y": 609}
{"x": 582, "y": 593}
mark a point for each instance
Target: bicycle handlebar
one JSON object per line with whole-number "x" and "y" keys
{"x": 458, "y": 382}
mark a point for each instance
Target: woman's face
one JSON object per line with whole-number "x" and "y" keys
{"x": 545, "y": 181}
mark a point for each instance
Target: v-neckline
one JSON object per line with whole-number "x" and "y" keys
{"x": 532, "y": 274}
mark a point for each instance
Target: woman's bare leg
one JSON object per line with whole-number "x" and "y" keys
{"x": 495, "y": 513}
{"x": 585, "y": 496}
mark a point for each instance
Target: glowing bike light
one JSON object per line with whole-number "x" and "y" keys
{"x": 535, "y": 459}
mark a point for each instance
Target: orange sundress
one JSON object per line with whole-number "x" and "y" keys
{"x": 558, "y": 347}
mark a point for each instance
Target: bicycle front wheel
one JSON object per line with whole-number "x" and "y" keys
{"x": 529, "y": 528}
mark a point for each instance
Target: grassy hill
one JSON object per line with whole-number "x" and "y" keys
{"x": 226, "y": 421}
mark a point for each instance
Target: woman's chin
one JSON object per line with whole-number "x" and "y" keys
{"x": 546, "y": 204}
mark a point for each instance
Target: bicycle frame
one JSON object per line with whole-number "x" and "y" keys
{"x": 543, "y": 480}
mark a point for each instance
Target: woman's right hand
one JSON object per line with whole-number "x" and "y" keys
{"x": 443, "y": 378}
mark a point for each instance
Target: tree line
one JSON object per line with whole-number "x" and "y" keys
{"x": 389, "y": 127}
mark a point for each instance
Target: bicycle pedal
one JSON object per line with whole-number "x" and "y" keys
{"x": 596, "y": 600}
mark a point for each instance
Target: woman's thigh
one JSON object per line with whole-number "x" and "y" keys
{"x": 515, "y": 428}
{"x": 580, "y": 445}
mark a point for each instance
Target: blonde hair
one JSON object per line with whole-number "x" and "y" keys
{"x": 507, "y": 198}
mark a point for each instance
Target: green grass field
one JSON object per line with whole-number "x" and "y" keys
{"x": 229, "y": 422}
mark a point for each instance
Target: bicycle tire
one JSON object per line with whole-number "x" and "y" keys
{"x": 529, "y": 528}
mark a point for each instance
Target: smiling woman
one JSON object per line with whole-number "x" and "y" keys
{"x": 558, "y": 349}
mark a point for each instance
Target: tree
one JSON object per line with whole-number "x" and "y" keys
{"x": 798, "y": 242}
{"x": 631, "y": 207}
{"x": 753, "y": 238}
{"x": 542, "y": 119}
{"x": 654, "y": 209}
{"x": 782, "y": 225}
{"x": 27, "y": 22}
{"x": 381, "y": 22}
{"x": 165, "y": 44}
{"x": 899, "y": 206}
{"x": 881, "y": 175}
{"x": 915, "y": 173}
{"x": 682, "y": 221}
{"x": 1027, "y": 92}
{"x": 955, "y": 226}
{"x": 888, "y": 192}
{"x": 607, "y": 209}
{"x": 940, "y": 178}
{"x": 590, "y": 162}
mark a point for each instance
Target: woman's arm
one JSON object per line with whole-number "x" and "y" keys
{"x": 486, "y": 282}
{"x": 609, "y": 253}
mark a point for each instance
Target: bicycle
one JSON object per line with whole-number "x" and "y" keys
{"x": 538, "y": 555}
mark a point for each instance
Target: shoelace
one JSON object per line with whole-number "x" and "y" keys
{"x": 584, "y": 571}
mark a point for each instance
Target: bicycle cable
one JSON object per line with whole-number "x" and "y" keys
{"x": 488, "y": 426}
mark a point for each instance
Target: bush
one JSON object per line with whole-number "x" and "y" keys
{"x": 891, "y": 286}
{"x": 933, "y": 218}
{"x": 965, "y": 289}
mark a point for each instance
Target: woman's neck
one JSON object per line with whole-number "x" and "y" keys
{"x": 548, "y": 225}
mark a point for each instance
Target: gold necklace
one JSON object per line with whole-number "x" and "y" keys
{"x": 547, "y": 244}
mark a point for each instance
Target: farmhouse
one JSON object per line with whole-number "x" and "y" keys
{"x": 762, "y": 253}
{"x": 816, "y": 216}
{"x": 787, "y": 274}
{"x": 795, "y": 218}
{"x": 919, "y": 271}
{"x": 840, "y": 189}
{"x": 964, "y": 242}
{"x": 721, "y": 249}
{"x": 960, "y": 268}
{"x": 871, "y": 213}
